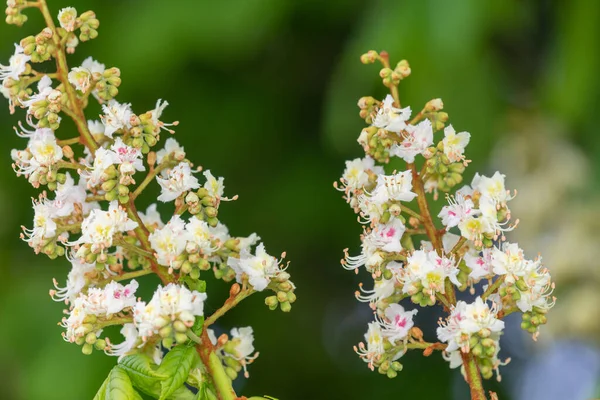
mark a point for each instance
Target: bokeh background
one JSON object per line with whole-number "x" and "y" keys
{"x": 266, "y": 93}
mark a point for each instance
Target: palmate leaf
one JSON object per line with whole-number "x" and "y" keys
{"x": 117, "y": 386}
{"x": 142, "y": 372}
{"x": 176, "y": 366}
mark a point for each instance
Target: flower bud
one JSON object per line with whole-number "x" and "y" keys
{"x": 285, "y": 306}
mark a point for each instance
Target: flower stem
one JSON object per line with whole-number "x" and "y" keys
{"x": 492, "y": 287}
{"x": 149, "y": 178}
{"x": 62, "y": 74}
{"x": 473, "y": 377}
{"x": 410, "y": 212}
{"x": 430, "y": 228}
{"x": 142, "y": 234}
{"x": 213, "y": 364}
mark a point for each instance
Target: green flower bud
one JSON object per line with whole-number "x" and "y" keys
{"x": 231, "y": 373}
{"x": 181, "y": 338}
{"x": 291, "y": 297}
{"x": 180, "y": 326}
{"x": 91, "y": 338}
{"x": 271, "y": 301}
{"x": 87, "y": 349}
{"x": 285, "y": 306}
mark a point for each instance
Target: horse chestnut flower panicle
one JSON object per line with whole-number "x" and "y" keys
{"x": 88, "y": 214}
{"x": 468, "y": 247}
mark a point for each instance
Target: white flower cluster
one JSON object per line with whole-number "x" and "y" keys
{"x": 88, "y": 211}
{"x": 98, "y": 305}
{"x": 395, "y": 328}
{"x": 472, "y": 328}
{"x": 238, "y": 350}
{"x": 480, "y": 211}
{"x": 447, "y": 263}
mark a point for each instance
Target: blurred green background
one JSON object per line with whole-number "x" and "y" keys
{"x": 266, "y": 94}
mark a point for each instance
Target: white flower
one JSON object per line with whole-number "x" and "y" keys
{"x": 244, "y": 342}
{"x": 459, "y": 207}
{"x": 455, "y": 143}
{"x": 102, "y": 303}
{"x": 428, "y": 270}
{"x": 539, "y": 288}
{"x": 200, "y": 235}
{"x": 16, "y": 65}
{"x": 391, "y": 118}
{"x": 44, "y": 227}
{"x": 119, "y": 297}
{"x": 169, "y": 241}
{"x": 356, "y": 174}
{"x": 509, "y": 260}
{"x": 80, "y": 78}
{"x": 259, "y": 268}
{"x": 466, "y": 320}
{"x": 382, "y": 289}
{"x": 169, "y": 303}
{"x": 151, "y": 216}
{"x": 42, "y": 152}
{"x": 214, "y": 186}
{"x": 416, "y": 141}
{"x": 369, "y": 211}
{"x": 95, "y": 174}
{"x": 393, "y": 187}
{"x": 45, "y": 92}
{"x": 478, "y": 316}
{"x": 179, "y": 180}
{"x": 128, "y": 158}
{"x": 475, "y": 229}
{"x": 67, "y": 195}
{"x": 93, "y": 66}
{"x": 67, "y": 18}
{"x": 96, "y": 128}
{"x": 116, "y": 116}
{"x": 374, "y": 348}
{"x": 398, "y": 322}
{"x": 171, "y": 147}
{"x": 131, "y": 335}
{"x": 387, "y": 237}
{"x": 492, "y": 188}
{"x": 480, "y": 265}
{"x": 76, "y": 281}
{"x": 99, "y": 227}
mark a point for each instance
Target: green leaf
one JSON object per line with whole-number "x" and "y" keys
{"x": 117, "y": 387}
{"x": 176, "y": 366}
{"x": 101, "y": 395}
{"x": 182, "y": 393}
{"x": 144, "y": 377}
{"x": 198, "y": 324}
{"x": 195, "y": 284}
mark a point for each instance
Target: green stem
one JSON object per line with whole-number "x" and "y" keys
{"x": 132, "y": 274}
{"x": 458, "y": 246}
{"x": 430, "y": 228}
{"x": 149, "y": 178}
{"x": 142, "y": 234}
{"x": 68, "y": 142}
{"x": 213, "y": 364}
{"x": 473, "y": 376}
{"x": 444, "y": 301}
{"x": 62, "y": 74}
{"x": 114, "y": 321}
{"x": 135, "y": 249}
{"x": 492, "y": 288}
{"x": 410, "y": 212}
{"x": 231, "y": 302}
